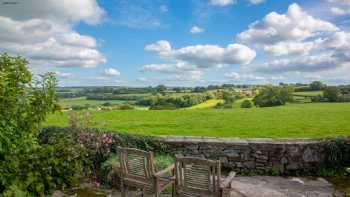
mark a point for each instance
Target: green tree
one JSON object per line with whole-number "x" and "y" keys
{"x": 273, "y": 96}
{"x": 160, "y": 88}
{"x": 316, "y": 85}
{"x": 331, "y": 93}
{"x": 25, "y": 165}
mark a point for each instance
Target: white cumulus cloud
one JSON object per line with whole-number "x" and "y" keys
{"x": 191, "y": 61}
{"x": 256, "y": 2}
{"x": 285, "y": 31}
{"x": 175, "y": 71}
{"x": 111, "y": 72}
{"x": 251, "y": 78}
{"x": 159, "y": 46}
{"x": 59, "y": 11}
{"x": 312, "y": 63}
{"x": 63, "y": 74}
{"x": 222, "y": 3}
{"x": 196, "y": 30}
{"x": 204, "y": 56}
{"x": 298, "y": 44}
{"x": 42, "y": 31}
{"x": 340, "y": 11}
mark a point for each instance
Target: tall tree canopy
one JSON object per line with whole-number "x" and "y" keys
{"x": 24, "y": 104}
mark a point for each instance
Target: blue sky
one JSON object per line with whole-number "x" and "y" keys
{"x": 180, "y": 42}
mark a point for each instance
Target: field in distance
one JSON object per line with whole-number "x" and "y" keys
{"x": 84, "y": 101}
{"x": 207, "y": 104}
{"x": 312, "y": 120}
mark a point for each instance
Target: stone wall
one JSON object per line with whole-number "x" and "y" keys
{"x": 253, "y": 154}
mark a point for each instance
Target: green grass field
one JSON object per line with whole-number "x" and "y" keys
{"x": 309, "y": 93}
{"x": 83, "y": 101}
{"x": 305, "y": 97}
{"x": 313, "y": 120}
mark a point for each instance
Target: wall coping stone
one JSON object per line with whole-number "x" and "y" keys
{"x": 235, "y": 141}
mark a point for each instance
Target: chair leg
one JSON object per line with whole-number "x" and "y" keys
{"x": 156, "y": 187}
{"x": 173, "y": 190}
{"x": 143, "y": 192}
{"x": 122, "y": 188}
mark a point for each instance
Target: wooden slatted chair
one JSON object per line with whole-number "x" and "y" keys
{"x": 197, "y": 177}
{"x": 138, "y": 171}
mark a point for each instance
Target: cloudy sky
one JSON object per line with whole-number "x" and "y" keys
{"x": 180, "y": 42}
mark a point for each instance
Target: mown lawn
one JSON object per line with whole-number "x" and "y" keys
{"x": 313, "y": 120}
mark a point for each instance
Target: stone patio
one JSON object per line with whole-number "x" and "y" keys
{"x": 254, "y": 186}
{"x": 264, "y": 186}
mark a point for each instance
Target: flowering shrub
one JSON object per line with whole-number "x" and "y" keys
{"x": 98, "y": 146}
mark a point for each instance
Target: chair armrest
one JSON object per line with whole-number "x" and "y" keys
{"x": 227, "y": 180}
{"x": 162, "y": 172}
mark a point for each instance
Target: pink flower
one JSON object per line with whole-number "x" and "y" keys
{"x": 97, "y": 184}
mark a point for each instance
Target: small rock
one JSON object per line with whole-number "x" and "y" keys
{"x": 284, "y": 160}
{"x": 298, "y": 180}
{"x": 249, "y": 164}
{"x": 258, "y": 152}
{"x": 311, "y": 155}
{"x": 261, "y": 157}
{"x": 292, "y": 166}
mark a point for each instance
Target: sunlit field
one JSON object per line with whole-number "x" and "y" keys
{"x": 313, "y": 120}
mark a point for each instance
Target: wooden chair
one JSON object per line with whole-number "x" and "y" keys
{"x": 200, "y": 177}
{"x": 138, "y": 171}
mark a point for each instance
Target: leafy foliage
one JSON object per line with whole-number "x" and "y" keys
{"x": 338, "y": 152}
{"x": 331, "y": 93}
{"x": 169, "y": 102}
{"x": 126, "y": 107}
{"x": 273, "y": 96}
{"x": 26, "y": 167}
{"x": 247, "y": 104}
{"x": 316, "y": 85}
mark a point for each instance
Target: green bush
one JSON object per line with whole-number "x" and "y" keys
{"x": 273, "y": 96}
{"x": 316, "y": 85}
{"x": 225, "y": 105}
{"x": 317, "y": 98}
{"x": 331, "y": 93}
{"x": 28, "y": 168}
{"x": 126, "y": 107}
{"x": 247, "y": 104}
{"x": 344, "y": 98}
{"x": 106, "y": 104}
{"x": 110, "y": 172}
{"x": 61, "y": 163}
{"x": 80, "y": 107}
{"x": 162, "y": 161}
{"x": 337, "y": 152}
{"x": 177, "y": 101}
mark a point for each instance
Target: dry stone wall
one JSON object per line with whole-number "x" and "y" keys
{"x": 253, "y": 154}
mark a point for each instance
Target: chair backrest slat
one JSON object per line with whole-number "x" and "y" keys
{"x": 197, "y": 176}
{"x": 136, "y": 164}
